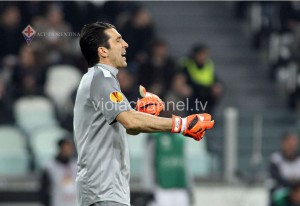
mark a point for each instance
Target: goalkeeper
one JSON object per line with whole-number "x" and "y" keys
{"x": 103, "y": 115}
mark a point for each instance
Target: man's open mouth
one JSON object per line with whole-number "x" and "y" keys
{"x": 124, "y": 55}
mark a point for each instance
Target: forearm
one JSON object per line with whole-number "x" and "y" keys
{"x": 149, "y": 123}
{"x": 141, "y": 122}
{"x": 192, "y": 126}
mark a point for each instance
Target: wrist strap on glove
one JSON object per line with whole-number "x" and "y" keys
{"x": 178, "y": 124}
{"x": 192, "y": 126}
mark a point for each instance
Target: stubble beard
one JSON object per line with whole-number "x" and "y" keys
{"x": 122, "y": 64}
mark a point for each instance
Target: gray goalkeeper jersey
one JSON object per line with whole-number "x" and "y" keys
{"x": 103, "y": 158}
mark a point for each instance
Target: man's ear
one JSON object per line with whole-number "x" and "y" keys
{"x": 102, "y": 52}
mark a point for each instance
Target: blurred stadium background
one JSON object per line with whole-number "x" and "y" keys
{"x": 256, "y": 54}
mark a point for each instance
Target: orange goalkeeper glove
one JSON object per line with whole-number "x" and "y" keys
{"x": 192, "y": 126}
{"x": 150, "y": 103}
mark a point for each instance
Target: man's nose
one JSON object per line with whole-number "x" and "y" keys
{"x": 126, "y": 45}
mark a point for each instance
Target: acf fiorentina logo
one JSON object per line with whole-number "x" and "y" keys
{"x": 28, "y": 34}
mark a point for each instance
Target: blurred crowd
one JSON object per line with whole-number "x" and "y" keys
{"x": 274, "y": 30}
{"x": 25, "y": 68}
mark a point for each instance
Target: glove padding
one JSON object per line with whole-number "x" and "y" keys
{"x": 150, "y": 103}
{"x": 192, "y": 126}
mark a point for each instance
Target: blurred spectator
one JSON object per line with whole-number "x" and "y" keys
{"x": 58, "y": 178}
{"x": 31, "y": 11}
{"x": 85, "y": 11}
{"x": 128, "y": 85}
{"x": 289, "y": 15}
{"x": 10, "y": 31}
{"x": 179, "y": 91}
{"x": 264, "y": 19}
{"x": 288, "y": 197}
{"x": 165, "y": 168}
{"x": 290, "y": 20}
{"x": 200, "y": 71}
{"x": 118, "y": 12}
{"x": 167, "y": 173}
{"x": 285, "y": 165}
{"x": 55, "y": 41}
{"x": 155, "y": 74}
{"x": 138, "y": 32}
{"x": 29, "y": 74}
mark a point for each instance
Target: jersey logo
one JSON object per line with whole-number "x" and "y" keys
{"x": 116, "y": 97}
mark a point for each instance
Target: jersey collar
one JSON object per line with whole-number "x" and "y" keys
{"x": 111, "y": 69}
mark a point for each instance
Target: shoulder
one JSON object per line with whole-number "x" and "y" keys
{"x": 50, "y": 164}
{"x": 101, "y": 74}
{"x": 276, "y": 157}
{"x": 73, "y": 162}
{"x": 102, "y": 81}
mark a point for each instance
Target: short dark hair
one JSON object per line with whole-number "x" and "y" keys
{"x": 286, "y": 135}
{"x": 200, "y": 47}
{"x": 92, "y": 36}
{"x": 63, "y": 141}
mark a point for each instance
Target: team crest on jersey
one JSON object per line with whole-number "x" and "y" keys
{"x": 116, "y": 97}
